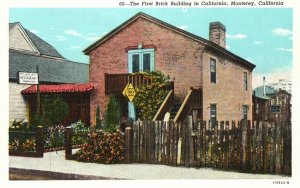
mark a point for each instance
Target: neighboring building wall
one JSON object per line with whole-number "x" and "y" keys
{"x": 17, "y": 105}
{"x": 228, "y": 91}
{"x": 175, "y": 55}
{"x": 283, "y": 100}
{"x": 259, "y": 109}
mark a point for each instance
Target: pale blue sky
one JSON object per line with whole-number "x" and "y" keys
{"x": 262, "y": 36}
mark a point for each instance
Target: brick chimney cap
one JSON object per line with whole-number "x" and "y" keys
{"x": 217, "y": 24}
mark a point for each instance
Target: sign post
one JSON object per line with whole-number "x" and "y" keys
{"x": 38, "y": 93}
{"x": 129, "y": 92}
{"x": 33, "y": 79}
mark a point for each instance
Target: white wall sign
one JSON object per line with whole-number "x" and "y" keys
{"x": 28, "y": 78}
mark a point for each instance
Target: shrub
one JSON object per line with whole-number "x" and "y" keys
{"x": 98, "y": 121}
{"x": 79, "y": 130}
{"x": 54, "y": 111}
{"x": 149, "y": 97}
{"x": 102, "y": 147}
{"x": 112, "y": 115}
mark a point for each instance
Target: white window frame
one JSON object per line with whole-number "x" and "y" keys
{"x": 140, "y": 52}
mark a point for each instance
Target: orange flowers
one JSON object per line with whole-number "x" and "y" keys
{"x": 102, "y": 147}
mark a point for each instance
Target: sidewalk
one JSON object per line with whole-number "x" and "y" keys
{"x": 55, "y": 162}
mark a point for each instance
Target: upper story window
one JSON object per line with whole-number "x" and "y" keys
{"x": 141, "y": 60}
{"x": 245, "y": 81}
{"x": 213, "y": 70}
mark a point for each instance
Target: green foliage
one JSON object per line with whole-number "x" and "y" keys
{"x": 102, "y": 147}
{"x": 112, "y": 115}
{"x": 36, "y": 120}
{"x": 149, "y": 97}
{"x": 79, "y": 131}
{"x": 54, "y": 110}
{"x": 98, "y": 121}
{"x": 79, "y": 127}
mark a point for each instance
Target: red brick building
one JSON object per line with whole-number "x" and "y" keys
{"x": 144, "y": 43}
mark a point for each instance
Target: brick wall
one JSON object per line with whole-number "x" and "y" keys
{"x": 17, "y": 105}
{"x": 175, "y": 55}
{"x": 228, "y": 91}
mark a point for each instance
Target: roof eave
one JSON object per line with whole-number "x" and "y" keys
{"x": 87, "y": 50}
{"x": 211, "y": 45}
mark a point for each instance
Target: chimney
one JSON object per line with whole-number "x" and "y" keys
{"x": 217, "y": 33}
{"x": 264, "y": 82}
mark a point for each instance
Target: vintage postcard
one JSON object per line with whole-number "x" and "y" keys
{"x": 149, "y": 90}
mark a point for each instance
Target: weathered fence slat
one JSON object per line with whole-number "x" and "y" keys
{"x": 277, "y": 149}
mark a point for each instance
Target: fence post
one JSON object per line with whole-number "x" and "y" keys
{"x": 128, "y": 145}
{"x": 39, "y": 141}
{"x": 287, "y": 149}
{"x": 68, "y": 143}
{"x": 190, "y": 141}
{"x": 244, "y": 142}
{"x": 272, "y": 148}
{"x": 278, "y": 148}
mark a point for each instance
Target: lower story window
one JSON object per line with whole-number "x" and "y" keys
{"x": 213, "y": 115}
{"x": 275, "y": 108}
{"x": 245, "y": 112}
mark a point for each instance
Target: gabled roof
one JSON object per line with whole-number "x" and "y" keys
{"x": 51, "y": 70}
{"x": 259, "y": 92}
{"x": 61, "y": 88}
{"x": 207, "y": 43}
{"x": 41, "y": 45}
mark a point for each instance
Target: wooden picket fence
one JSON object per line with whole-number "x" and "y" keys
{"x": 260, "y": 147}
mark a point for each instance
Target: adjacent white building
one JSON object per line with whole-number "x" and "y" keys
{"x": 26, "y": 51}
{"x": 283, "y": 85}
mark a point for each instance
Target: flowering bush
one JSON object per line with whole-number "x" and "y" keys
{"x": 79, "y": 130}
{"x": 102, "y": 147}
{"x": 54, "y": 136}
{"x": 28, "y": 145}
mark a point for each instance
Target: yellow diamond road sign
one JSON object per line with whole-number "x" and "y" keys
{"x": 129, "y": 92}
